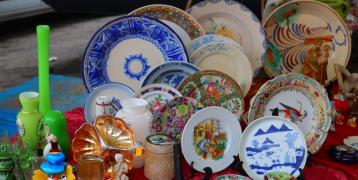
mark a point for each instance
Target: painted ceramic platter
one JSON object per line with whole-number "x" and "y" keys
{"x": 272, "y": 144}
{"x": 158, "y": 95}
{"x": 351, "y": 141}
{"x": 115, "y": 91}
{"x": 170, "y": 73}
{"x": 236, "y": 21}
{"x": 306, "y": 42}
{"x": 213, "y": 88}
{"x": 211, "y": 139}
{"x": 231, "y": 177}
{"x": 299, "y": 98}
{"x": 183, "y": 23}
{"x": 174, "y": 116}
{"x": 225, "y": 58}
{"x": 127, "y": 48}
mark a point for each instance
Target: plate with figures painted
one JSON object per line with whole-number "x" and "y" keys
{"x": 182, "y": 22}
{"x": 299, "y": 98}
{"x": 170, "y": 73}
{"x": 306, "y": 42}
{"x": 115, "y": 91}
{"x": 234, "y": 20}
{"x": 213, "y": 88}
{"x": 126, "y": 49}
{"x": 157, "y": 95}
{"x": 175, "y": 115}
{"x": 211, "y": 139}
{"x": 272, "y": 144}
{"x": 225, "y": 58}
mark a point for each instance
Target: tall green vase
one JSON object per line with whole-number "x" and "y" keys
{"x": 30, "y": 120}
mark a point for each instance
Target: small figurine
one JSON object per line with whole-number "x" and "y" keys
{"x": 120, "y": 168}
{"x": 52, "y": 145}
{"x": 352, "y": 122}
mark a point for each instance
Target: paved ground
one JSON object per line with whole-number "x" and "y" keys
{"x": 69, "y": 35}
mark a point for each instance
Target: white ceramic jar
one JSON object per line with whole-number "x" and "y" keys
{"x": 137, "y": 117}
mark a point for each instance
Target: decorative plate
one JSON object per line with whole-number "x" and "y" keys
{"x": 174, "y": 116}
{"x": 213, "y": 88}
{"x": 299, "y": 98}
{"x": 231, "y": 177}
{"x": 115, "y": 91}
{"x": 306, "y": 42}
{"x": 351, "y": 141}
{"x": 225, "y": 58}
{"x": 234, "y": 20}
{"x": 170, "y": 73}
{"x": 211, "y": 139}
{"x": 183, "y": 23}
{"x": 279, "y": 176}
{"x": 272, "y": 144}
{"x": 157, "y": 95}
{"x": 127, "y": 48}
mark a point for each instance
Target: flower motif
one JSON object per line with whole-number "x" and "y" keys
{"x": 144, "y": 66}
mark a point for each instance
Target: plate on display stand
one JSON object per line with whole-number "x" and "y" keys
{"x": 157, "y": 95}
{"x": 126, "y": 49}
{"x": 115, "y": 91}
{"x": 351, "y": 141}
{"x": 272, "y": 144}
{"x": 211, "y": 139}
{"x": 302, "y": 41}
{"x": 299, "y": 98}
{"x": 170, "y": 73}
{"x": 233, "y": 20}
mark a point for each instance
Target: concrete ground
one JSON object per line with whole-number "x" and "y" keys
{"x": 70, "y": 34}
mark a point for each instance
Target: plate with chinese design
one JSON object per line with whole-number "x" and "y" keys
{"x": 233, "y": 20}
{"x": 298, "y": 98}
{"x": 175, "y": 115}
{"x": 306, "y": 42}
{"x": 126, "y": 49}
{"x": 157, "y": 95}
{"x": 211, "y": 139}
{"x": 272, "y": 144}
{"x": 213, "y": 88}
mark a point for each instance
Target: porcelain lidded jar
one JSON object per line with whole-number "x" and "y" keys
{"x": 137, "y": 117}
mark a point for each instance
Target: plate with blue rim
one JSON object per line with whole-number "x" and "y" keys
{"x": 233, "y": 20}
{"x": 272, "y": 144}
{"x": 126, "y": 49}
{"x": 170, "y": 73}
{"x": 115, "y": 91}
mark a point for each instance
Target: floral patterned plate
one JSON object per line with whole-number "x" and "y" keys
{"x": 303, "y": 41}
{"x": 213, "y": 88}
{"x": 299, "y": 98}
{"x": 174, "y": 116}
{"x": 234, "y": 20}
{"x": 158, "y": 95}
{"x": 225, "y": 58}
{"x": 183, "y": 23}
{"x": 272, "y": 144}
{"x": 211, "y": 139}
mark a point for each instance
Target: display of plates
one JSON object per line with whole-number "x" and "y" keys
{"x": 170, "y": 73}
{"x": 213, "y": 88}
{"x": 174, "y": 116}
{"x": 231, "y": 177}
{"x": 234, "y": 20}
{"x": 299, "y": 98}
{"x": 306, "y": 42}
{"x": 127, "y": 48}
{"x": 183, "y": 23}
{"x": 227, "y": 59}
{"x": 115, "y": 91}
{"x": 157, "y": 95}
{"x": 272, "y": 144}
{"x": 351, "y": 141}
{"x": 211, "y": 139}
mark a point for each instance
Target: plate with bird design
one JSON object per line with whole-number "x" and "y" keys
{"x": 303, "y": 41}
{"x": 298, "y": 98}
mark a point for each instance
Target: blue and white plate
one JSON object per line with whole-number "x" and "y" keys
{"x": 115, "y": 91}
{"x": 170, "y": 73}
{"x": 127, "y": 48}
{"x": 272, "y": 144}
